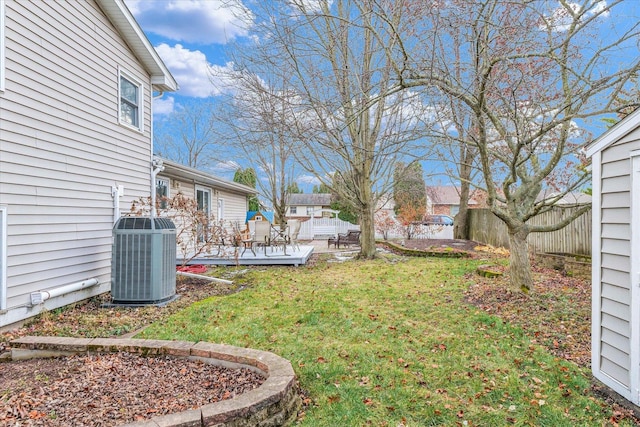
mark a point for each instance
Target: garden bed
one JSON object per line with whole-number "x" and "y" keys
{"x": 109, "y": 382}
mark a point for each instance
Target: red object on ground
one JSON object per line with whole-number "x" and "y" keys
{"x": 196, "y": 269}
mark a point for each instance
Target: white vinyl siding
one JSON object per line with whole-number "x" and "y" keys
{"x": 613, "y": 292}
{"x": 62, "y": 146}
{"x": 2, "y": 45}
{"x": 235, "y": 206}
{"x": 3, "y": 258}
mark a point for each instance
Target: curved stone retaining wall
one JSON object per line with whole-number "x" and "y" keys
{"x": 274, "y": 403}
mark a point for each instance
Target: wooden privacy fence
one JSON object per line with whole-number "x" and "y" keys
{"x": 575, "y": 238}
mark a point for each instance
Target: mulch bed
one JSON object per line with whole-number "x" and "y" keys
{"x": 111, "y": 389}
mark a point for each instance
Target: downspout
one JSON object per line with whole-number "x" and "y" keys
{"x": 156, "y": 165}
{"x": 41, "y": 296}
{"x": 156, "y": 168}
{"x": 116, "y": 193}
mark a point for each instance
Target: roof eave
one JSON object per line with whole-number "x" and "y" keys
{"x": 615, "y": 133}
{"x": 185, "y": 172}
{"x": 128, "y": 27}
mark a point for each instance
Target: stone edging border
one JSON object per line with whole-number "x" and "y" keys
{"x": 274, "y": 403}
{"x": 452, "y": 253}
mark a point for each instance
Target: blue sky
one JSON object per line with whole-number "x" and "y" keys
{"x": 191, "y": 36}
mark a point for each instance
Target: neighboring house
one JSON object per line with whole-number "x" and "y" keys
{"x": 225, "y": 200}
{"x": 77, "y": 80}
{"x": 615, "y": 279}
{"x": 445, "y": 200}
{"x": 386, "y": 206}
{"x": 304, "y": 206}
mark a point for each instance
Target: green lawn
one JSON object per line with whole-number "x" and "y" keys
{"x": 391, "y": 342}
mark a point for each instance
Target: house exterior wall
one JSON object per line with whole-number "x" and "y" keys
{"x": 614, "y": 326}
{"x": 62, "y": 149}
{"x": 301, "y": 211}
{"x": 445, "y": 209}
{"x": 235, "y": 204}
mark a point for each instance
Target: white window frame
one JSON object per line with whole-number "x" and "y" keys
{"x": 2, "y": 40}
{"x": 140, "y": 100}
{"x": 208, "y": 191}
{"x": 293, "y": 210}
{"x": 310, "y": 210}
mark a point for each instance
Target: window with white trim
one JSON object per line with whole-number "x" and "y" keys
{"x": 2, "y": 61}
{"x": 130, "y": 102}
{"x": 293, "y": 210}
{"x": 203, "y": 200}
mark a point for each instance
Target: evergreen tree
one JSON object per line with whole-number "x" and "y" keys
{"x": 248, "y": 177}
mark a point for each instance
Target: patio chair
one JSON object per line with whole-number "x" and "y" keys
{"x": 279, "y": 237}
{"x": 247, "y": 238}
{"x": 262, "y": 235}
{"x": 294, "y": 230}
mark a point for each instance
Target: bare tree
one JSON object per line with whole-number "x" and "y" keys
{"x": 256, "y": 118}
{"x": 456, "y": 149}
{"x": 351, "y": 124}
{"x": 532, "y": 74}
{"x": 187, "y": 136}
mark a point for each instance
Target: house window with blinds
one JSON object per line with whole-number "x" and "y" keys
{"x": 130, "y": 102}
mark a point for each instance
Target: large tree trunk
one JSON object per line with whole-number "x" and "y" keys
{"x": 367, "y": 233}
{"x": 519, "y": 265}
{"x": 461, "y": 223}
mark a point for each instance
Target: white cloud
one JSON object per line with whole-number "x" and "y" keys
{"x": 310, "y": 6}
{"x": 194, "y": 21}
{"x": 227, "y": 166}
{"x": 561, "y": 18}
{"x": 194, "y": 74}
{"x": 163, "y": 105}
{"x": 308, "y": 179}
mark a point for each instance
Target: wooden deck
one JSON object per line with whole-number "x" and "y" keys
{"x": 263, "y": 256}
